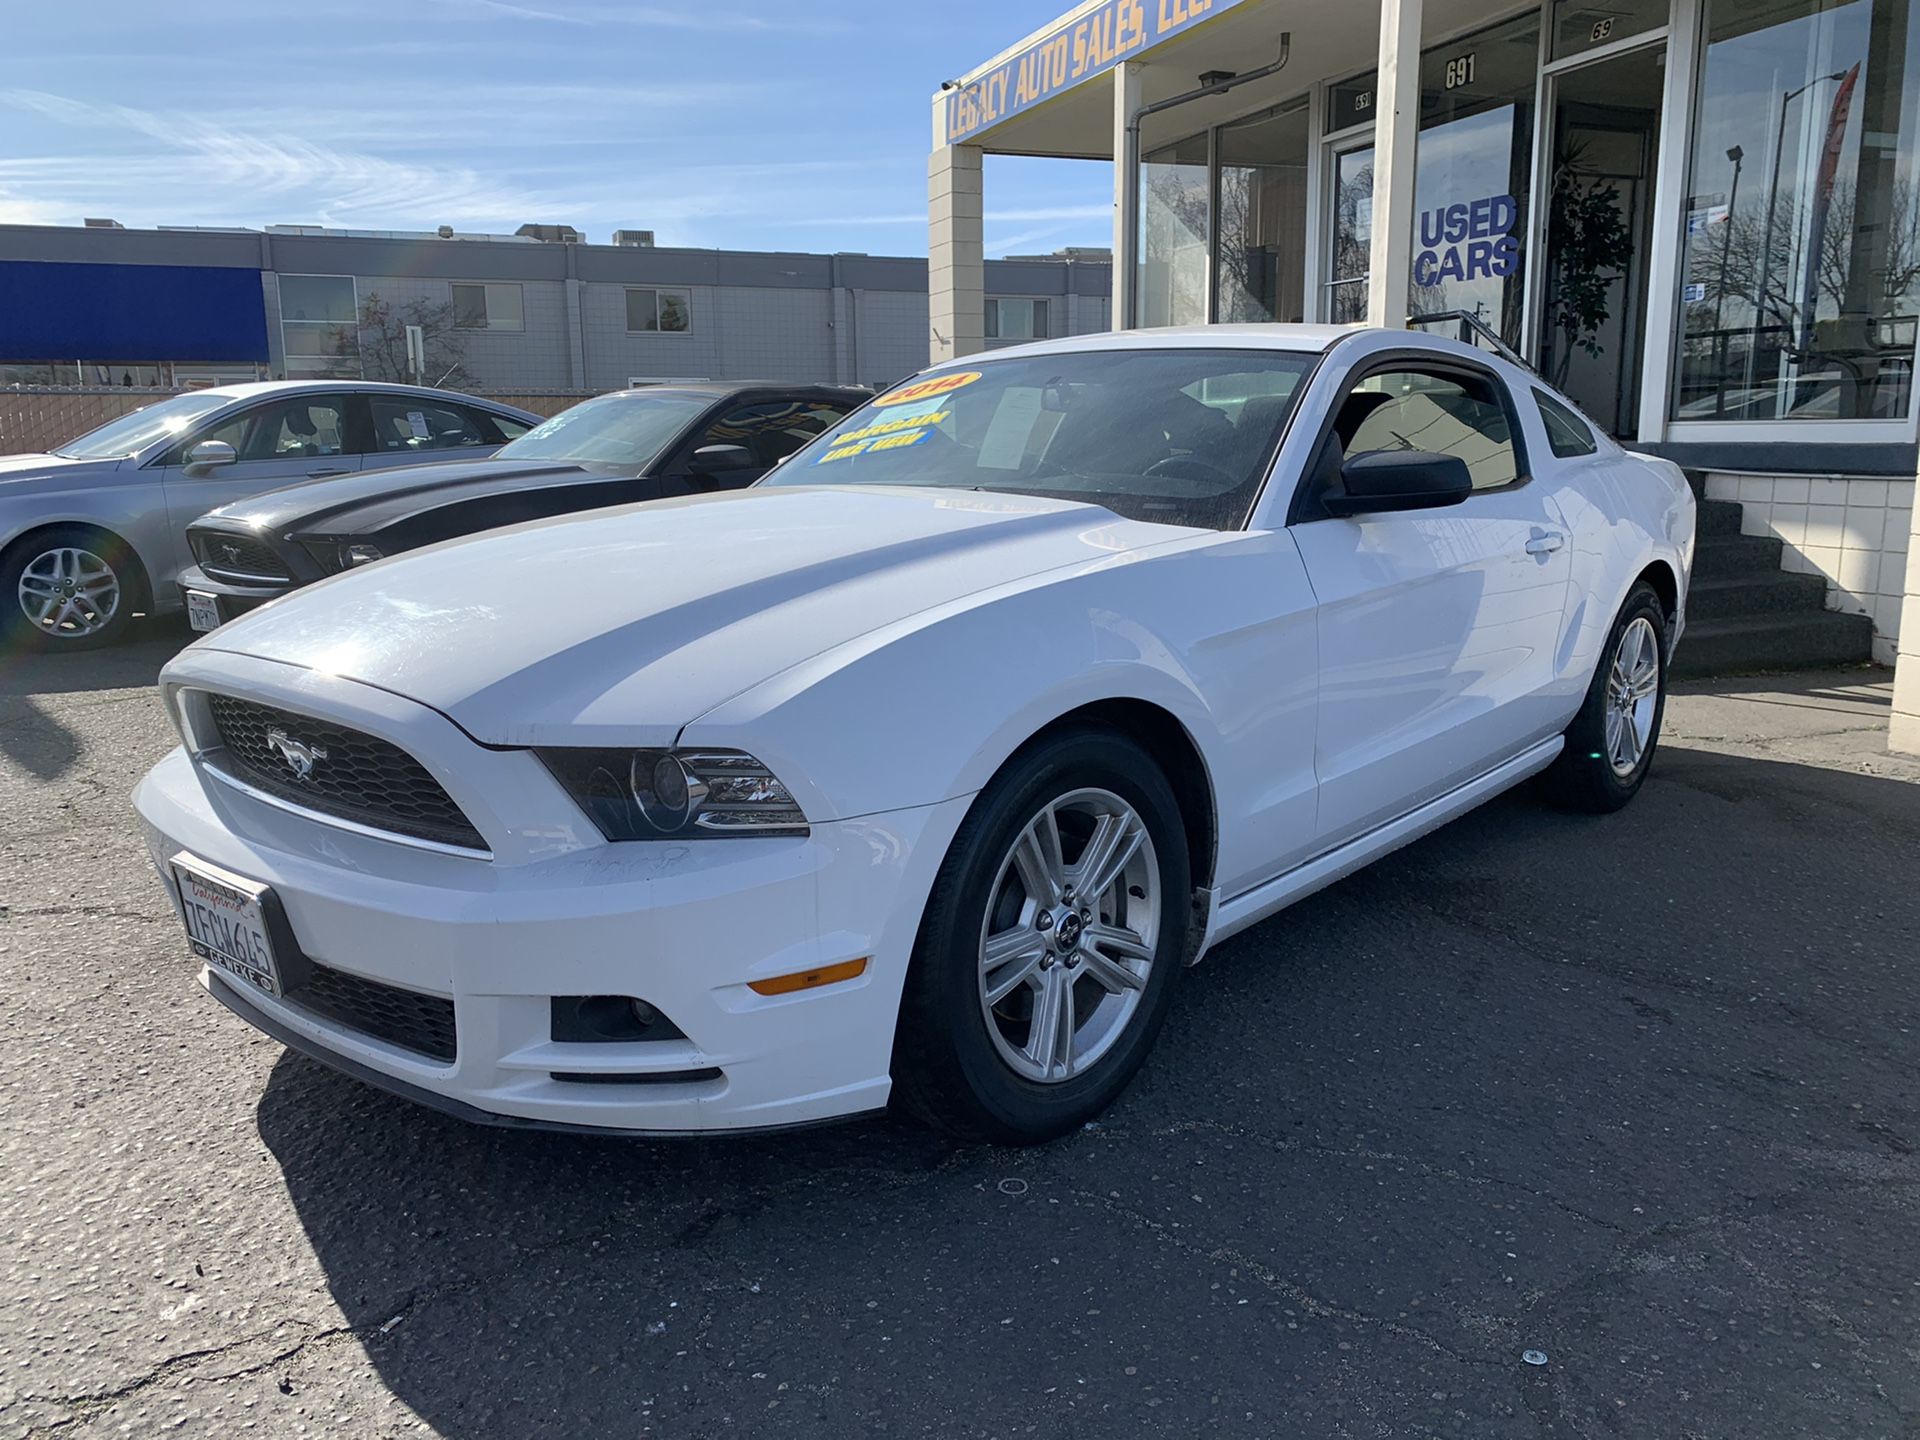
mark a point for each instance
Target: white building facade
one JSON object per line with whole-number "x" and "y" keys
{"x": 1699, "y": 217}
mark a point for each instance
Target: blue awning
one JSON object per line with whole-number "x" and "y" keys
{"x": 141, "y": 313}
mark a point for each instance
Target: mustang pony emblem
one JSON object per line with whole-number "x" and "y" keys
{"x": 232, "y": 553}
{"x": 300, "y": 756}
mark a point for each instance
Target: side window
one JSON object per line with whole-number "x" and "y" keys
{"x": 772, "y": 432}
{"x": 504, "y": 425}
{"x": 1568, "y": 436}
{"x": 302, "y": 427}
{"x": 1441, "y": 412}
{"x": 403, "y": 424}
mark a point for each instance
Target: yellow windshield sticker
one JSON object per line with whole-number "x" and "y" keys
{"x": 890, "y": 427}
{"x": 928, "y": 388}
{"x": 845, "y": 448}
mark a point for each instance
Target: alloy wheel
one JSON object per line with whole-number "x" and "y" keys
{"x": 1067, "y": 943}
{"x": 1633, "y": 695}
{"x": 69, "y": 592}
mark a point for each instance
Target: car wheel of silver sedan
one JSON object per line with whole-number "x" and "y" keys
{"x": 1050, "y": 945}
{"x": 65, "y": 588}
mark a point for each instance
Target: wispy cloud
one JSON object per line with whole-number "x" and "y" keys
{"x": 333, "y": 183}
{"x": 654, "y": 17}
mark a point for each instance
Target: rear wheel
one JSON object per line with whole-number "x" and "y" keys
{"x": 1050, "y": 946}
{"x": 1611, "y": 742}
{"x": 66, "y": 588}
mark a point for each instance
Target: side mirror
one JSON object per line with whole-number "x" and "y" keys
{"x": 1386, "y": 480}
{"x": 721, "y": 459}
{"x": 209, "y": 455}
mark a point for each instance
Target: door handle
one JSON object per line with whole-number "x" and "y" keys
{"x": 1545, "y": 542}
{"x": 323, "y": 474}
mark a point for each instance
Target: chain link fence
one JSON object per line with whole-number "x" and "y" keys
{"x": 34, "y": 418}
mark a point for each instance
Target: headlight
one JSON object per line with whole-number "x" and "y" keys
{"x": 352, "y": 555}
{"x": 676, "y": 794}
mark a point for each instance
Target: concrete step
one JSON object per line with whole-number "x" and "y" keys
{"x": 1717, "y": 517}
{"x": 1722, "y": 557}
{"x": 1760, "y": 594}
{"x": 1773, "y": 642}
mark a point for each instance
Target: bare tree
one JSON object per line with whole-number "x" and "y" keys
{"x": 380, "y": 343}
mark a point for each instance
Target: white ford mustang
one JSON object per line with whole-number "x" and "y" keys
{"x": 921, "y": 769}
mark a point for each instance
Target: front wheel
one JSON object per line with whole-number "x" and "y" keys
{"x": 1610, "y": 743}
{"x": 1051, "y": 942}
{"x": 66, "y": 588}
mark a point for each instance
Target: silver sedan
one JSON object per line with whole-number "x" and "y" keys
{"x": 96, "y": 530}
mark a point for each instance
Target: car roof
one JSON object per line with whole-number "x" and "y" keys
{"x": 720, "y": 389}
{"x": 1308, "y": 339}
{"x": 252, "y": 389}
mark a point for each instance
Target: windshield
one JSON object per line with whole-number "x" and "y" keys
{"x": 131, "y": 434}
{"x": 1181, "y": 437}
{"x": 629, "y": 430}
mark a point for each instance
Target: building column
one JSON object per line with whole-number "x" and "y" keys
{"x": 956, "y": 246}
{"x": 1904, "y": 732}
{"x": 1395, "y": 137}
{"x": 1126, "y": 194}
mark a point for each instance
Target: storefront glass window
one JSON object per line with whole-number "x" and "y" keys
{"x": 1471, "y": 176}
{"x": 1174, "y": 211}
{"x": 1801, "y": 270}
{"x": 1263, "y": 216}
{"x": 1583, "y": 25}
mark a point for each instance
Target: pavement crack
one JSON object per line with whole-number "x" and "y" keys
{"x": 1310, "y": 1303}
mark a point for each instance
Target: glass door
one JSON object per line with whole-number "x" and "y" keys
{"x": 1350, "y": 255}
{"x": 1603, "y": 135}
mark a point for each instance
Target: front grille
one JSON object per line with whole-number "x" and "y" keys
{"x": 416, "y": 1022}
{"x": 353, "y": 776}
{"x": 236, "y": 557}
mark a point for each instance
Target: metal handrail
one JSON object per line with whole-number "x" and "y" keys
{"x": 1469, "y": 322}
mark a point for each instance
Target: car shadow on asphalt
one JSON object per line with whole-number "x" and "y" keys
{"x": 37, "y": 740}
{"x": 1537, "y": 1082}
{"x": 151, "y": 641}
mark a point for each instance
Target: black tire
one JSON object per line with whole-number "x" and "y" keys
{"x": 948, "y": 1069}
{"x": 21, "y": 630}
{"x": 1585, "y": 776}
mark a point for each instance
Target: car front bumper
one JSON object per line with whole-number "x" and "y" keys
{"x": 686, "y": 927}
{"x": 233, "y": 599}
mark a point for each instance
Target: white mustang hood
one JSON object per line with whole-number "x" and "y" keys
{"x": 621, "y": 626}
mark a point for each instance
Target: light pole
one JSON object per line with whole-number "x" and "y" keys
{"x": 1736, "y": 155}
{"x": 1773, "y": 202}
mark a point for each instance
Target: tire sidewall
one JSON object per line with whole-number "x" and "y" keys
{"x": 1642, "y": 602}
{"x": 1014, "y": 1107}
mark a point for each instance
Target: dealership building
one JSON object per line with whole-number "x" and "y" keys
{"x": 1701, "y": 217}
{"x": 541, "y": 311}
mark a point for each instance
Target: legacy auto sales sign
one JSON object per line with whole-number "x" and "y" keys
{"x": 1469, "y": 241}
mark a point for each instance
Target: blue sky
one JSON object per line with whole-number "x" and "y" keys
{"x": 743, "y": 123}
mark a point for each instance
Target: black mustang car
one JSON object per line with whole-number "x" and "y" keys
{"x": 612, "y": 450}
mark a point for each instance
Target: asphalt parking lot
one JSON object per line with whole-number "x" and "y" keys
{"x": 1638, "y": 1094}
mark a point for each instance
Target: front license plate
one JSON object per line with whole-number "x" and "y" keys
{"x": 203, "y": 610}
{"x": 227, "y": 922}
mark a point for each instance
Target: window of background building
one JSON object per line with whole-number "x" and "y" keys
{"x": 1009, "y": 319}
{"x": 1263, "y": 216}
{"x": 319, "y": 329}
{"x": 488, "y": 307}
{"x": 1801, "y": 269}
{"x": 1175, "y": 212}
{"x": 655, "y": 309}
{"x": 1472, "y": 174}
{"x": 1583, "y": 25}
